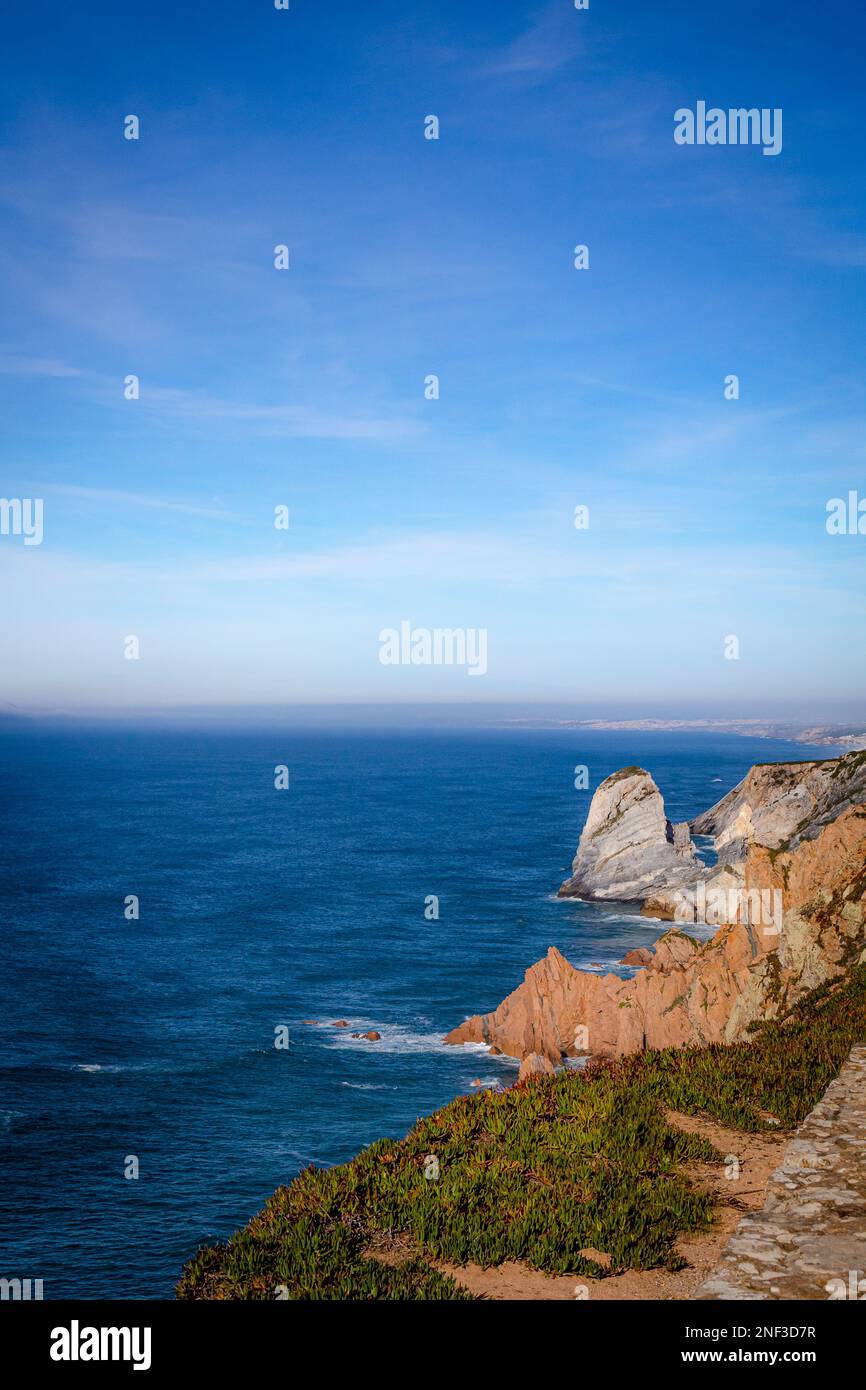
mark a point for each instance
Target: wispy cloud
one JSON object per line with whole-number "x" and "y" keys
{"x": 198, "y": 408}
{"x": 19, "y": 364}
{"x": 115, "y": 497}
{"x": 551, "y": 41}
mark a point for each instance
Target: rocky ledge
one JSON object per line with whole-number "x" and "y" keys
{"x": 791, "y": 912}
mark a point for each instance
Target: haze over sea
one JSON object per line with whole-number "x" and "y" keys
{"x": 262, "y": 908}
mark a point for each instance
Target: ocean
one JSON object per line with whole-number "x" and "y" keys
{"x": 154, "y": 1039}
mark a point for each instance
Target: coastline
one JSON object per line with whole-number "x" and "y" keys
{"x": 602, "y": 1163}
{"x": 603, "y": 1174}
{"x": 846, "y": 737}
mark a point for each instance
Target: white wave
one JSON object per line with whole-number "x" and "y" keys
{"x": 401, "y": 1041}
{"x": 394, "y": 1039}
{"x": 603, "y": 912}
{"x": 640, "y": 917}
{"x": 366, "y": 1086}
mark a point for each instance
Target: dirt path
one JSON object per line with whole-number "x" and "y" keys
{"x": 743, "y": 1191}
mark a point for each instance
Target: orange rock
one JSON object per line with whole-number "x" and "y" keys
{"x": 641, "y": 955}
{"x": 701, "y": 992}
{"x": 535, "y": 1065}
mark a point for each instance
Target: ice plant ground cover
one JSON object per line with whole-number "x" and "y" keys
{"x": 538, "y": 1173}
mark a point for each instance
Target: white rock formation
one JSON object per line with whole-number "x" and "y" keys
{"x": 628, "y": 847}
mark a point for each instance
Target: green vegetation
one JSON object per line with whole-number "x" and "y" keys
{"x": 781, "y": 1073}
{"x": 284, "y": 1254}
{"x": 585, "y": 1161}
{"x": 845, "y": 762}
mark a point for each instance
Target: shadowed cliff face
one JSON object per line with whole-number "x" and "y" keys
{"x": 793, "y": 918}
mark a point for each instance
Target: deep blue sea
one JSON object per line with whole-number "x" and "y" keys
{"x": 261, "y": 908}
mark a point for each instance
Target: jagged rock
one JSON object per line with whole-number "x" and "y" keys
{"x": 675, "y": 948}
{"x": 541, "y": 1016}
{"x": 702, "y": 992}
{"x": 628, "y": 846}
{"x": 535, "y": 1065}
{"x": 340, "y": 1023}
{"x": 641, "y": 955}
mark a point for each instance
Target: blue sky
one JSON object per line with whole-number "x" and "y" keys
{"x": 408, "y": 257}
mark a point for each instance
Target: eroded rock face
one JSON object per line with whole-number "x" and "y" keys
{"x": 702, "y": 992}
{"x": 781, "y": 804}
{"x": 628, "y": 846}
{"x": 540, "y": 1016}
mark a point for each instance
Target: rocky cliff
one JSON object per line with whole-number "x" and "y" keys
{"x": 780, "y": 804}
{"x": 793, "y": 915}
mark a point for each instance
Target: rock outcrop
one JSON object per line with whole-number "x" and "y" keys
{"x": 794, "y": 918}
{"x": 640, "y": 955}
{"x": 781, "y": 804}
{"x": 536, "y": 1064}
{"x": 628, "y": 846}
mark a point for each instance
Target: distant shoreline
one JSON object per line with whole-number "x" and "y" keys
{"x": 850, "y": 736}
{"x": 411, "y": 717}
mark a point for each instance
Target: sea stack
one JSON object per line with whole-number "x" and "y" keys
{"x": 628, "y": 846}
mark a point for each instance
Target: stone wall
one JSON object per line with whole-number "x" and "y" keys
{"x": 809, "y": 1240}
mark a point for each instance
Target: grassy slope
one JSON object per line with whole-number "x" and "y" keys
{"x": 537, "y": 1173}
